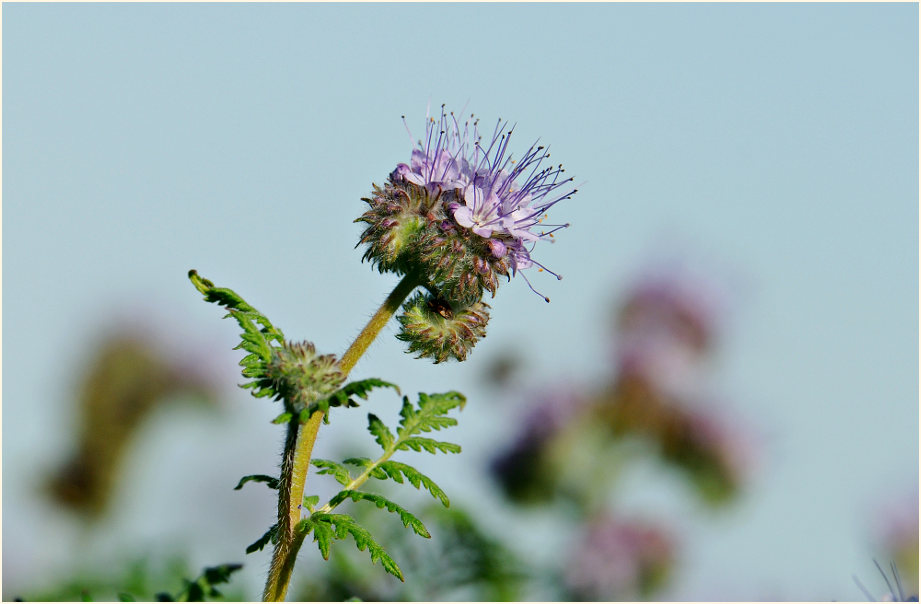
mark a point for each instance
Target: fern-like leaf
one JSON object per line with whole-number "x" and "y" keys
{"x": 396, "y": 471}
{"x": 258, "y": 338}
{"x": 430, "y": 414}
{"x": 380, "y": 431}
{"x": 310, "y": 502}
{"x": 204, "y": 585}
{"x": 407, "y": 518}
{"x": 270, "y": 481}
{"x": 261, "y": 542}
{"x": 326, "y": 527}
{"x": 337, "y": 470}
{"x": 365, "y": 463}
{"x": 345, "y": 397}
{"x": 418, "y": 443}
{"x": 359, "y": 388}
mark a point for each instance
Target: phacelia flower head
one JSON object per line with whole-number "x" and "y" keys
{"x": 463, "y": 212}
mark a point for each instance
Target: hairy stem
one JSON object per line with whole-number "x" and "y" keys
{"x": 299, "y": 449}
{"x": 377, "y": 322}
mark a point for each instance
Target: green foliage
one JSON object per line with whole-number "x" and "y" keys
{"x": 345, "y": 397}
{"x": 134, "y": 578}
{"x": 259, "y": 336}
{"x": 335, "y": 469}
{"x": 418, "y": 443}
{"x": 463, "y": 561}
{"x": 396, "y": 471}
{"x": 382, "y": 502}
{"x": 203, "y": 587}
{"x": 381, "y": 433}
{"x": 328, "y": 527}
{"x": 270, "y": 481}
{"x": 269, "y": 536}
{"x": 428, "y": 416}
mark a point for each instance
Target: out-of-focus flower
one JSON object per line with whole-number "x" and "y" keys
{"x": 524, "y": 470}
{"x": 666, "y": 325}
{"x": 619, "y": 559}
{"x": 667, "y": 328}
{"x": 716, "y": 453}
{"x": 461, "y": 213}
{"x": 897, "y": 537}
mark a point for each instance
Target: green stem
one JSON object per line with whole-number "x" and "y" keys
{"x": 299, "y": 449}
{"x": 377, "y": 322}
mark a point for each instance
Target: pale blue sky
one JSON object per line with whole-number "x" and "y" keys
{"x": 778, "y": 142}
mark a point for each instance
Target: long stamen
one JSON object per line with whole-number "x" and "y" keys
{"x": 526, "y": 280}
{"x": 557, "y": 275}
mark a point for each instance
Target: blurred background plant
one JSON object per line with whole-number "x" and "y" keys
{"x": 575, "y": 443}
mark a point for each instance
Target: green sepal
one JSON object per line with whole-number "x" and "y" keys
{"x": 335, "y": 469}
{"x": 270, "y": 481}
{"x": 270, "y": 535}
{"x": 380, "y": 501}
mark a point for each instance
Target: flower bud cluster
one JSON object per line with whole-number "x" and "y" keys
{"x": 410, "y": 231}
{"x": 458, "y": 217}
{"x": 300, "y": 376}
{"x": 435, "y": 330}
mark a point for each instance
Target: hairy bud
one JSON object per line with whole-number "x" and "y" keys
{"x": 438, "y": 330}
{"x": 411, "y": 230}
{"x": 301, "y": 376}
{"x": 396, "y": 219}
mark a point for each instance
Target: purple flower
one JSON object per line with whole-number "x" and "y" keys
{"x": 496, "y": 197}
{"x": 619, "y": 558}
{"x": 522, "y": 469}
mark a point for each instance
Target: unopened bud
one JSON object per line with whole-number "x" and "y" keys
{"x": 438, "y": 330}
{"x": 301, "y": 376}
